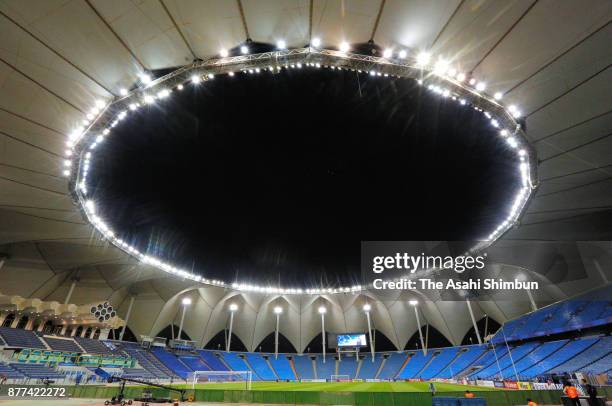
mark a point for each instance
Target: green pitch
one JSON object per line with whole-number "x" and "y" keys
{"x": 342, "y": 386}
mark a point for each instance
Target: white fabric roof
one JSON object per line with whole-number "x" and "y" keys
{"x": 552, "y": 58}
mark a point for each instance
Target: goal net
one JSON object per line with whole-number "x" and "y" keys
{"x": 238, "y": 378}
{"x": 340, "y": 378}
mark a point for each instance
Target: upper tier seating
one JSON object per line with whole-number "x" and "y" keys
{"x": 325, "y": 369}
{"x": 193, "y": 362}
{"x": 392, "y": 365}
{"x": 236, "y": 363}
{"x": 570, "y": 350}
{"x": 415, "y": 365}
{"x": 439, "y": 362}
{"x": 534, "y": 357}
{"x": 348, "y": 366}
{"x": 603, "y": 365}
{"x": 466, "y": 357}
{"x": 368, "y": 368}
{"x": 148, "y": 361}
{"x": 303, "y": 367}
{"x": 282, "y": 366}
{"x": 212, "y": 361}
{"x": 499, "y": 364}
{"x": 171, "y": 362}
{"x": 94, "y": 346}
{"x": 62, "y": 344}
{"x": 589, "y": 309}
{"x": 260, "y": 367}
{"x": 581, "y": 361}
{"x": 21, "y": 338}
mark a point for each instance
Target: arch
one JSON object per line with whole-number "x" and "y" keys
{"x": 170, "y": 332}
{"x": 88, "y": 332}
{"x": 36, "y": 324}
{"x": 8, "y": 320}
{"x": 315, "y": 346}
{"x": 489, "y": 323}
{"x": 78, "y": 332}
{"x": 267, "y": 344}
{"x": 381, "y": 342}
{"x": 218, "y": 342}
{"x": 96, "y": 334}
{"x": 47, "y": 327}
{"x": 69, "y": 331}
{"x": 23, "y": 322}
{"x": 433, "y": 339}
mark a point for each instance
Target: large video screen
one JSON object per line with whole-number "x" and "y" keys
{"x": 351, "y": 340}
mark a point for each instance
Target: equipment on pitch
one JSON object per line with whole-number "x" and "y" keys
{"x": 203, "y": 377}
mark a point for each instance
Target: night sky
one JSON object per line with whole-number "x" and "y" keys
{"x": 279, "y": 177}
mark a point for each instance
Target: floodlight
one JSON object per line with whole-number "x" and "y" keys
{"x": 413, "y": 302}
{"x": 423, "y": 58}
{"x": 316, "y": 42}
{"x": 186, "y": 301}
{"x": 322, "y": 310}
{"x": 278, "y": 310}
{"x": 223, "y": 53}
{"x": 244, "y": 49}
{"x": 281, "y": 44}
{"x": 387, "y": 53}
{"x": 402, "y": 54}
{"x": 233, "y": 307}
{"x": 367, "y": 307}
{"x": 344, "y": 46}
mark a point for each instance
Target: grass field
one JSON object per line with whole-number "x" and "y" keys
{"x": 342, "y": 386}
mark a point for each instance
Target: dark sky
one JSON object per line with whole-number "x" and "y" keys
{"x": 279, "y": 177}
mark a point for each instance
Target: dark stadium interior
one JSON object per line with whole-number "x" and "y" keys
{"x": 279, "y": 177}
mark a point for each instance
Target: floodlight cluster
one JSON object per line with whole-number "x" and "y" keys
{"x": 436, "y": 75}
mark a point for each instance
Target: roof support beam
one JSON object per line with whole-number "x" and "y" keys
{"x": 377, "y": 21}
{"x": 243, "y": 19}
{"x": 127, "y": 48}
{"x": 447, "y": 23}
{"x": 193, "y": 55}
{"x": 87, "y": 75}
{"x": 503, "y": 37}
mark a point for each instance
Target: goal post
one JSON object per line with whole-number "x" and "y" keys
{"x": 203, "y": 377}
{"x": 340, "y": 378}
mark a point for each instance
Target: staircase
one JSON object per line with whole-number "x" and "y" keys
{"x": 408, "y": 357}
{"x": 292, "y": 363}
{"x": 358, "y": 368}
{"x": 314, "y": 368}
{"x": 380, "y": 368}
{"x": 271, "y": 368}
{"x": 432, "y": 359}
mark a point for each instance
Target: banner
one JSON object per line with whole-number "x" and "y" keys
{"x": 547, "y": 386}
{"x": 510, "y": 385}
{"x": 524, "y": 385}
{"x": 489, "y": 384}
{"x": 498, "y": 384}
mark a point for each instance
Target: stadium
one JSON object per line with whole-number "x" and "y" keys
{"x": 330, "y": 202}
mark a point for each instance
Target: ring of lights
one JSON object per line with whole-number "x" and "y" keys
{"x": 438, "y": 78}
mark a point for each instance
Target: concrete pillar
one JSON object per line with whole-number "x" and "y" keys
{"x": 29, "y": 324}
{"x": 127, "y": 317}
{"x": 42, "y": 325}
{"x": 16, "y": 320}
{"x": 469, "y": 305}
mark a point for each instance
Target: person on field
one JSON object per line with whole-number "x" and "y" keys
{"x": 531, "y": 403}
{"x": 572, "y": 393}
{"x": 468, "y": 394}
{"x": 432, "y": 388}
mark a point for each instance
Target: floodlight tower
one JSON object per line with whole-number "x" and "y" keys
{"x": 232, "y": 308}
{"x": 366, "y": 308}
{"x": 322, "y": 311}
{"x": 186, "y": 302}
{"x": 415, "y": 304}
{"x": 278, "y": 311}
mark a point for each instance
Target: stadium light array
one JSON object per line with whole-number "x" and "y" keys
{"x": 441, "y": 79}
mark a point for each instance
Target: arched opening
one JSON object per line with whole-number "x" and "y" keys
{"x": 267, "y": 344}
{"x": 218, "y": 342}
{"x": 48, "y": 328}
{"x": 315, "y": 346}
{"x": 96, "y": 334}
{"x": 36, "y": 324}
{"x": 69, "y": 331}
{"x": 10, "y": 318}
{"x": 57, "y": 329}
{"x": 381, "y": 342}
{"x": 79, "y": 331}
{"x": 171, "y": 333}
{"x": 88, "y": 332}
{"x": 486, "y": 326}
{"x": 23, "y": 321}
{"x": 127, "y": 336}
{"x": 432, "y": 338}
